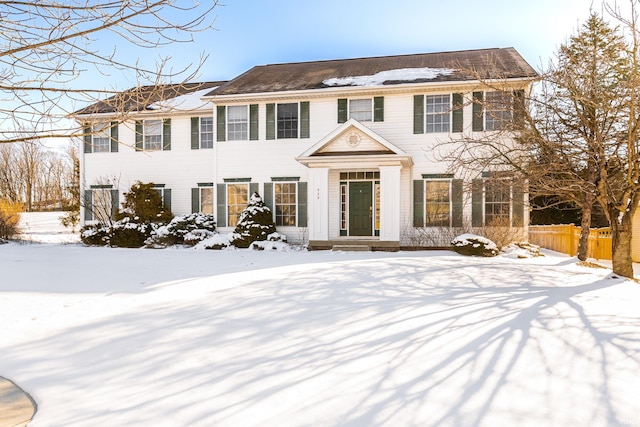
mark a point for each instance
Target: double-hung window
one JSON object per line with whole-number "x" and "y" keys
{"x": 287, "y": 120}
{"x": 152, "y": 137}
{"x": 498, "y": 110}
{"x": 100, "y": 203}
{"x": 438, "y": 113}
{"x": 237, "y": 200}
{"x": 497, "y": 202}
{"x": 101, "y": 140}
{"x": 361, "y": 109}
{"x": 206, "y": 132}
{"x": 285, "y": 203}
{"x": 237, "y": 123}
{"x": 202, "y": 198}
{"x": 437, "y": 203}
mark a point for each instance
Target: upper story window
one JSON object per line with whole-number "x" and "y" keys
{"x": 101, "y": 137}
{"x": 101, "y": 140}
{"x": 438, "y": 113}
{"x": 237, "y": 123}
{"x": 498, "y": 111}
{"x": 206, "y": 132}
{"x": 361, "y": 109}
{"x": 287, "y": 120}
{"x": 152, "y": 135}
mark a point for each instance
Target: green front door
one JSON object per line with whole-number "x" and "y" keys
{"x": 360, "y": 208}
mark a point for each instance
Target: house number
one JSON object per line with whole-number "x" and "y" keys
{"x": 318, "y": 194}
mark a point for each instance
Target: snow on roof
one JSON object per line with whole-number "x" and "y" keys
{"x": 401, "y": 74}
{"x": 189, "y": 101}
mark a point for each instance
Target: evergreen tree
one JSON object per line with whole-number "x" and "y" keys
{"x": 255, "y": 223}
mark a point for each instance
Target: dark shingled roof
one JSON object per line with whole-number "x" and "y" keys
{"x": 468, "y": 65}
{"x": 140, "y": 98}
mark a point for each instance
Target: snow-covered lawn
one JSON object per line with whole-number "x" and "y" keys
{"x": 177, "y": 337}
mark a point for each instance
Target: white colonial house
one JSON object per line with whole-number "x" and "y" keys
{"x": 341, "y": 150}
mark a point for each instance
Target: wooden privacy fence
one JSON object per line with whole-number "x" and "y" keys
{"x": 564, "y": 238}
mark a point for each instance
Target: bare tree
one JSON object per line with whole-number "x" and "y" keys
{"x": 46, "y": 45}
{"x": 578, "y": 140}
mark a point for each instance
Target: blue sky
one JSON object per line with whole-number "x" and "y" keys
{"x": 273, "y": 31}
{"x": 258, "y": 32}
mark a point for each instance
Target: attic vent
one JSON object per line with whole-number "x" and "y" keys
{"x": 353, "y": 140}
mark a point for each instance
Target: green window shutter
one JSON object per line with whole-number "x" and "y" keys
{"x": 476, "y": 203}
{"x": 166, "y": 202}
{"x": 517, "y": 217}
{"x": 195, "y": 200}
{"x": 478, "y": 117}
{"x": 139, "y": 135}
{"x": 342, "y": 110}
{"x": 418, "y": 114}
{"x": 271, "y": 121}
{"x": 166, "y": 134}
{"x": 253, "y": 122}
{"x": 87, "y": 139}
{"x": 114, "y": 137}
{"x": 304, "y": 119}
{"x": 115, "y": 203}
{"x": 302, "y": 204}
{"x": 268, "y": 196}
{"x": 195, "y": 133}
{"x": 418, "y": 203}
{"x": 518, "y": 107}
{"x": 221, "y": 208}
{"x": 221, "y": 123}
{"x": 457, "y": 113}
{"x": 88, "y": 205}
{"x": 456, "y": 203}
{"x": 378, "y": 108}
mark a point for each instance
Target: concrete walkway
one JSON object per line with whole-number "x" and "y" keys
{"x": 17, "y": 408}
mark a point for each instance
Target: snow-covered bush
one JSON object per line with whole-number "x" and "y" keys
{"x": 95, "y": 235}
{"x": 184, "y": 229}
{"x": 217, "y": 241}
{"x": 474, "y": 245}
{"x": 522, "y": 250}
{"x": 255, "y": 223}
{"x": 128, "y": 234}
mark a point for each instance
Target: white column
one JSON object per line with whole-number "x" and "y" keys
{"x": 318, "y": 201}
{"x": 390, "y": 203}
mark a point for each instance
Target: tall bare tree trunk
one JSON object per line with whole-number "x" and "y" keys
{"x": 585, "y": 228}
{"x": 621, "y": 239}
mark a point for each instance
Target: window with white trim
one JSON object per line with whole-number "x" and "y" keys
{"x": 498, "y": 111}
{"x": 285, "y": 203}
{"x": 287, "y": 120}
{"x": 437, "y": 203}
{"x": 438, "y": 113}
{"x": 101, "y": 138}
{"x": 497, "y": 202}
{"x": 237, "y": 123}
{"x": 237, "y": 201}
{"x": 206, "y": 200}
{"x": 206, "y": 132}
{"x": 152, "y": 135}
{"x": 361, "y": 109}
